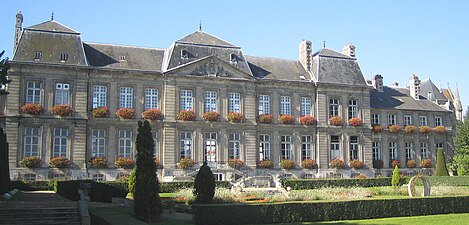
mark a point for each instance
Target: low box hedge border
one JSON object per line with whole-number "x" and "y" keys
{"x": 326, "y": 211}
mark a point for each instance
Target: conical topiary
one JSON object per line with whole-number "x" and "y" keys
{"x": 204, "y": 185}
{"x": 441, "y": 169}
{"x": 396, "y": 177}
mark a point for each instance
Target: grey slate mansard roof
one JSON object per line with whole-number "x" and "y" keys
{"x": 332, "y": 67}
{"x": 277, "y": 69}
{"x": 427, "y": 86}
{"x": 400, "y": 99}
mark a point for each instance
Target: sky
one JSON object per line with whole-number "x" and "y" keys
{"x": 393, "y": 38}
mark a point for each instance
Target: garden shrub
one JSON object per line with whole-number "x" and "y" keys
{"x": 204, "y": 185}
{"x": 32, "y": 185}
{"x": 171, "y": 187}
{"x": 69, "y": 188}
{"x": 302, "y": 184}
{"x": 105, "y": 191}
{"x": 131, "y": 183}
{"x": 396, "y": 177}
{"x": 441, "y": 169}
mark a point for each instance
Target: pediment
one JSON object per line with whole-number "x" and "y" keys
{"x": 210, "y": 67}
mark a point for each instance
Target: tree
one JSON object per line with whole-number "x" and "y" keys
{"x": 132, "y": 180}
{"x": 204, "y": 185}
{"x": 441, "y": 169}
{"x": 147, "y": 203}
{"x": 4, "y": 66}
{"x": 461, "y": 141}
{"x": 396, "y": 177}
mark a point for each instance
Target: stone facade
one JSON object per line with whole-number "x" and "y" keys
{"x": 203, "y": 73}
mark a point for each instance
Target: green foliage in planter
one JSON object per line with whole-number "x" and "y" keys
{"x": 441, "y": 169}
{"x": 287, "y": 164}
{"x": 266, "y": 118}
{"x": 204, "y": 185}
{"x": 31, "y": 162}
{"x": 186, "y": 115}
{"x": 186, "y": 163}
{"x": 59, "y": 162}
{"x": 265, "y": 163}
{"x": 396, "y": 177}
{"x": 100, "y": 112}
{"x": 98, "y": 162}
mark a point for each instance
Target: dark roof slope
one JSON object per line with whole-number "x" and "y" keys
{"x": 427, "y": 86}
{"x": 53, "y": 26}
{"x": 124, "y": 57}
{"x": 202, "y": 38}
{"x": 279, "y": 69}
{"x": 336, "y": 68}
{"x": 400, "y": 99}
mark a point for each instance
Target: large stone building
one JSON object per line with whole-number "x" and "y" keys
{"x": 202, "y": 73}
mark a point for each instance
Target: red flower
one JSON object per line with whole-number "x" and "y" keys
{"x": 425, "y": 129}
{"x": 59, "y": 162}
{"x": 235, "y": 117}
{"x": 286, "y": 119}
{"x": 409, "y": 129}
{"x": 126, "y": 163}
{"x": 266, "y": 118}
{"x": 186, "y": 115}
{"x": 100, "y": 112}
{"x": 61, "y": 110}
{"x": 440, "y": 129}
{"x": 152, "y": 114}
{"x": 337, "y": 163}
{"x": 307, "y": 120}
{"x": 126, "y": 113}
{"x": 211, "y": 116}
{"x": 411, "y": 163}
{"x": 377, "y": 128}
{"x": 394, "y": 128}
{"x": 265, "y": 163}
{"x": 356, "y": 164}
{"x": 355, "y": 122}
{"x": 335, "y": 121}
{"x": 309, "y": 164}
{"x": 32, "y": 109}
{"x": 426, "y": 163}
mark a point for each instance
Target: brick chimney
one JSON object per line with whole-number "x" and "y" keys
{"x": 414, "y": 87}
{"x": 377, "y": 82}
{"x": 306, "y": 54}
{"x": 349, "y": 49}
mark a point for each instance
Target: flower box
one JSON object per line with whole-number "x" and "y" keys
{"x": 335, "y": 121}
{"x": 152, "y": 114}
{"x": 409, "y": 129}
{"x": 411, "y": 163}
{"x": 186, "y": 163}
{"x": 61, "y": 110}
{"x": 98, "y": 162}
{"x": 378, "y": 164}
{"x": 356, "y": 164}
{"x": 266, "y": 118}
{"x": 59, "y": 162}
{"x": 309, "y": 164}
{"x": 377, "y": 128}
{"x": 32, "y": 109}
{"x": 126, "y": 163}
{"x": 307, "y": 120}
{"x": 286, "y": 119}
{"x": 265, "y": 163}
{"x": 337, "y": 164}
{"x": 395, "y": 163}
{"x": 425, "y": 129}
{"x": 125, "y": 113}
{"x": 356, "y": 122}
{"x": 235, "y": 163}
{"x": 31, "y": 162}
{"x": 426, "y": 163}
{"x": 211, "y": 116}
{"x": 186, "y": 115}
{"x": 287, "y": 164}
{"x": 395, "y": 128}
{"x": 440, "y": 129}
{"x": 235, "y": 117}
{"x": 100, "y": 112}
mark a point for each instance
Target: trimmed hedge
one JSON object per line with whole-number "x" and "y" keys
{"x": 444, "y": 181}
{"x": 171, "y": 187}
{"x": 326, "y": 211}
{"x": 69, "y": 188}
{"x": 301, "y": 184}
{"x": 32, "y": 185}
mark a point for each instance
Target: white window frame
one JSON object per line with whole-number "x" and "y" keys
{"x": 210, "y": 101}
{"x": 306, "y": 147}
{"x": 126, "y": 97}
{"x": 354, "y": 148}
{"x": 264, "y": 104}
{"x": 234, "y": 102}
{"x": 210, "y": 146}
{"x": 234, "y": 146}
{"x": 393, "y": 155}
{"x": 34, "y": 92}
{"x": 353, "y": 108}
{"x": 186, "y": 100}
{"x": 305, "y": 107}
{"x": 264, "y": 145}
{"x": 407, "y": 120}
{"x": 151, "y": 98}
{"x": 285, "y": 147}
{"x": 98, "y": 177}
{"x": 62, "y": 93}
{"x": 376, "y": 147}
{"x": 375, "y": 118}
{"x": 285, "y": 105}
{"x": 334, "y": 107}
{"x": 185, "y": 144}
{"x": 125, "y": 144}
{"x": 99, "y": 96}
{"x": 392, "y": 119}
{"x": 60, "y": 142}
{"x": 438, "y": 121}
{"x": 335, "y": 147}
{"x": 423, "y": 121}
{"x": 424, "y": 152}
{"x": 409, "y": 150}
{"x": 98, "y": 143}
{"x": 31, "y": 142}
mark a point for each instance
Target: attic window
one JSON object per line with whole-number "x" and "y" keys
{"x": 184, "y": 54}
{"x": 233, "y": 58}
{"x": 63, "y": 57}
{"x": 122, "y": 58}
{"x": 37, "y": 55}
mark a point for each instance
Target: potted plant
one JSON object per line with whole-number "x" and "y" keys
{"x": 337, "y": 163}
{"x": 125, "y": 163}
{"x": 59, "y": 162}
{"x": 307, "y": 120}
{"x": 395, "y": 163}
{"x": 186, "y": 163}
{"x": 266, "y": 118}
{"x": 409, "y": 129}
{"x": 309, "y": 164}
{"x": 377, "y": 128}
{"x": 211, "y": 116}
{"x": 425, "y": 129}
{"x": 152, "y": 114}
{"x": 235, "y": 163}
{"x": 335, "y": 121}
{"x": 395, "y": 128}
{"x": 411, "y": 163}
{"x": 98, "y": 162}
{"x": 287, "y": 164}
{"x": 378, "y": 164}
{"x": 61, "y": 110}
{"x": 286, "y": 119}
{"x": 125, "y": 113}
{"x": 356, "y": 164}
{"x": 32, "y": 109}
{"x": 186, "y": 115}
{"x": 265, "y": 163}
{"x": 355, "y": 122}
{"x": 426, "y": 163}
{"x": 100, "y": 112}
{"x": 31, "y": 162}
{"x": 440, "y": 129}
{"x": 235, "y": 117}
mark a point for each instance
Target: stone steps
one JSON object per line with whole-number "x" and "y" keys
{"x": 45, "y": 216}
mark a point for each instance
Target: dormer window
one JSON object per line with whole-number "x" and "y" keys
{"x": 184, "y": 54}
{"x": 122, "y": 58}
{"x": 63, "y": 57}
{"x": 37, "y": 55}
{"x": 233, "y": 58}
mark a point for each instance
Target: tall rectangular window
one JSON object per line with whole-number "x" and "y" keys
{"x": 352, "y": 108}
{"x": 234, "y": 102}
{"x": 33, "y": 92}
{"x": 210, "y": 146}
{"x": 126, "y": 96}
{"x": 185, "y": 146}
{"x": 285, "y": 105}
{"x": 391, "y": 119}
{"x": 60, "y": 142}
{"x": 393, "y": 151}
{"x": 125, "y": 143}
{"x": 376, "y": 146}
{"x": 333, "y": 107}
{"x": 423, "y": 121}
{"x": 438, "y": 145}
{"x": 424, "y": 150}
{"x": 375, "y": 119}
{"x": 306, "y": 147}
{"x": 151, "y": 98}
{"x": 99, "y": 96}
{"x": 335, "y": 147}
{"x": 31, "y": 141}
{"x": 98, "y": 142}
{"x": 285, "y": 146}
{"x": 62, "y": 94}
{"x": 185, "y": 100}
{"x": 353, "y": 148}
{"x": 154, "y": 134}
{"x": 234, "y": 146}
{"x": 210, "y": 101}
{"x": 264, "y": 146}
{"x": 264, "y": 104}
{"x": 305, "y": 108}
{"x": 407, "y": 120}
{"x": 409, "y": 150}
{"x": 438, "y": 121}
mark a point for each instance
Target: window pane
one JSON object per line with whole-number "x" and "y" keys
{"x": 151, "y": 98}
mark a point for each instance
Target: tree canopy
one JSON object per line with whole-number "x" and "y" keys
{"x": 4, "y": 67}
{"x": 461, "y": 141}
